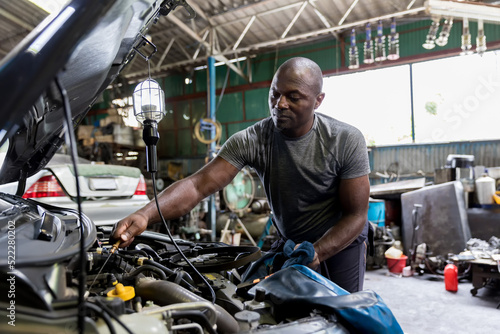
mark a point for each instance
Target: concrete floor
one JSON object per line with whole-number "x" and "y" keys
{"x": 422, "y": 305}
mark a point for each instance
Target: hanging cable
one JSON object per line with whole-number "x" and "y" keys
{"x": 212, "y": 292}
{"x": 70, "y": 133}
{"x": 149, "y": 109}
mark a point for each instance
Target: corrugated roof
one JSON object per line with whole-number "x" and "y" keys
{"x": 229, "y": 28}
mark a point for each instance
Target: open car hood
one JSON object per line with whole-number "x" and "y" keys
{"x": 84, "y": 47}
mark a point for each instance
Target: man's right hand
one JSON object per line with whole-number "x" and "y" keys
{"x": 127, "y": 228}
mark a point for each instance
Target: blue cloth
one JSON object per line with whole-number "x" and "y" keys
{"x": 304, "y": 254}
{"x": 271, "y": 262}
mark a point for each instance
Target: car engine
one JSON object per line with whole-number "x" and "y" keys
{"x": 147, "y": 287}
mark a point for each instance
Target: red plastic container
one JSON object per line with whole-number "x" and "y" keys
{"x": 396, "y": 266}
{"x": 451, "y": 277}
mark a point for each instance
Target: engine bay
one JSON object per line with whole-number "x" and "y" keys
{"x": 148, "y": 287}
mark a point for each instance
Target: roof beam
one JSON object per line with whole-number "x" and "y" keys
{"x": 323, "y": 18}
{"x": 190, "y": 32}
{"x": 16, "y": 20}
{"x": 249, "y": 24}
{"x": 349, "y": 10}
{"x": 277, "y": 42}
{"x": 295, "y": 18}
{"x": 200, "y": 45}
{"x": 164, "y": 54}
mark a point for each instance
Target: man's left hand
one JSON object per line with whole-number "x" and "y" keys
{"x": 314, "y": 264}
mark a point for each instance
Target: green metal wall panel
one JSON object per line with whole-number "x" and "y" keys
{"x": 256, "y": 105}
{"x": 326, "y": 53}
{"x": 198, "y": 110}
{"x": 185, "y": 139}
{"x": 200, "y": 80}
{"x": 167, "y": 145}
{"x": 168, "y": 121}
{"x": 232, "y": 128}
{"x": 235, "y": 79}
{"x": 183, "y": 114}
{"x": 264, "y": 68}
{"x": 173, "y": 85}
{"x": 230, "y": 108}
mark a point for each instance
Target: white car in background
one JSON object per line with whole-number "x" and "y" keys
{"x": 108, "y": 192}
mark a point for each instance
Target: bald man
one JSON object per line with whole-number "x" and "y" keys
{"x": 314, "y": 170}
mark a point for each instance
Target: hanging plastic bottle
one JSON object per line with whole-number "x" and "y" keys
{"x": 451, "y": 277}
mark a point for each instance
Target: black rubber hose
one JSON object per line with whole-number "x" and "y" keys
{"x": 142, "y": 268}
{"x": 135, "y": 251}
{"x": 168, "y": 293}
{"x": 184, "y": 282}
{"x": 104, "y": 316}
{"x": 197, "y": 316}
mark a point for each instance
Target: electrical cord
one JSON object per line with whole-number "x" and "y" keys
{"x": 212, "y": 293}
{"x": 114, "y": 316}
{"x": 73, "y": 149}
{"x": 82, "y": 305}
{"x": 104, "y": 315}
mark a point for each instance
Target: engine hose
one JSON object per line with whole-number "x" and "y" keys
{"x": 186, "y": 280}
{"x": 193, "y": 315}
{"x": 97, "y": 257}
{"x": 136, "y": 251}
{"x": 142, "y": 268}
{"x": 168, "y": 293}
{"x": 104, "y": 316}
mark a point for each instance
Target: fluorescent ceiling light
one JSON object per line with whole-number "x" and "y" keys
{"x": 234, "y": 60}
{"x": 474, "y": 11}
{"x": 50, "y": 6}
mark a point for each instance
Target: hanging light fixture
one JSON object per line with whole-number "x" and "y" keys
{"x": 481, "y": 38}
{"x": 445, "y": 32}
{"x": 393, "y": 42}
{"x": 466, "y": 38}
{"x": 149, "y": 109}
{"x": 380, "y": 43}
{"x": 353, "y": 52}
{"x": 368, "y": 46}
{"x": 431, "y": 35}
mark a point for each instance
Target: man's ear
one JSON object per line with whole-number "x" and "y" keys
{"x": 319, "y": 99}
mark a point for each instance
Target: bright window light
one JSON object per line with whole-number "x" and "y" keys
{"x": 50, "y": 6}
{"x": 377, "y": 102}
{"x": 448, "y": 104}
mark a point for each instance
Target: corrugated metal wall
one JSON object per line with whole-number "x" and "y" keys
{"x": 412, "y": 160}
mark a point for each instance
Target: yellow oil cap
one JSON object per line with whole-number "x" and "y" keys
{"x": 123, "y": 292}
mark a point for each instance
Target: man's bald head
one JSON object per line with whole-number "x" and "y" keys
{"x": 309, "y": 70}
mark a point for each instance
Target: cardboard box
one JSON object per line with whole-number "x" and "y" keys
{"x": 88, "y": 141}
{"x": 84, "y": 131}
{"x": 104, "y": 139}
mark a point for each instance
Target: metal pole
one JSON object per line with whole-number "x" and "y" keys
{"x": 411, "y": 106}
{"x": 211, "y": 149}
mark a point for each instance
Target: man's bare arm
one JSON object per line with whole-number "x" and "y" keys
{"x": 354, "y": 196}
{"x": 178, "y": 199}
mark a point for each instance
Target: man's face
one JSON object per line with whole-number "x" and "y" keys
{"x": 292, "y": 101}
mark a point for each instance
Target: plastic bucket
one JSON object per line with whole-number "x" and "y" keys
{"x": 396, "y": 265}
{"x": 376, "y": 212}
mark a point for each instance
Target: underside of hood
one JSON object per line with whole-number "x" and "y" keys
{"x": 84, "y": 48}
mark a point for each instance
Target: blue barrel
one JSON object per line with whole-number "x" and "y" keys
{"x": 376, "y": 212}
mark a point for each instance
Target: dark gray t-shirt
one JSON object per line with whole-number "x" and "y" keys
{"x": 301, "y": 175}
